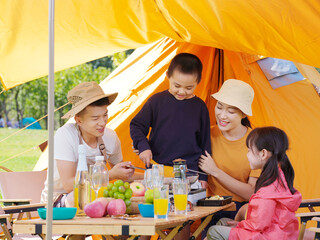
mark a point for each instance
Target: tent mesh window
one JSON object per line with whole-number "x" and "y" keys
{"x": 279, "y": 72}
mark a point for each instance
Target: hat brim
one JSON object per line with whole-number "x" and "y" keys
{"x": 221, "y": 98}
{"x": 73, "y": 111}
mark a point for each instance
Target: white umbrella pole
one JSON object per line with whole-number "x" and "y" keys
{"x": 50, "y": 118}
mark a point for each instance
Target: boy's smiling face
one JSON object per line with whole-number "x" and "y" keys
{"x": 182, "y": 85}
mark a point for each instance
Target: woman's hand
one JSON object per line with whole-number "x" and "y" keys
{"x": 208, "y": 165}
{"x": 204, "y": 184}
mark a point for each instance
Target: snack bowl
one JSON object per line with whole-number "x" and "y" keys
{"x": 58, "y": 213}
{"x": 146, "y": 209}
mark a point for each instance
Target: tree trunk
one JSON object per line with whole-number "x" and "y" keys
{"x": 16, "y": 96}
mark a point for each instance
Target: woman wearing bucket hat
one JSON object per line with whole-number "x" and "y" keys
{"x": 89, "y": 109}
{"x": 229, "y": 169}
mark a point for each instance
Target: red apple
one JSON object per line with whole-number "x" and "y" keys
{"x": 105, "y": 202}
{"x": 116, "y": 207}
{"x": 138, "y": 189}
{"x": 95, "y": 209}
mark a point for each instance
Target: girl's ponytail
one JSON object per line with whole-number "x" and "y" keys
{"x": 288, "y": 171}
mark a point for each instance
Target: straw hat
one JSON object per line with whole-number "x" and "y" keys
{"x": 83, "y": 95}
{"x": 236, "y": 93}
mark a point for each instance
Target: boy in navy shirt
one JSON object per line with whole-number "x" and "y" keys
{"x": 179, "y": 120}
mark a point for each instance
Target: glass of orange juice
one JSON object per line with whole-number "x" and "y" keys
{"x": 180, "y": 196}
{"x": 161, "y": 201}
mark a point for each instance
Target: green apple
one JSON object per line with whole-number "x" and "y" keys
{"x": 148, "y": 196}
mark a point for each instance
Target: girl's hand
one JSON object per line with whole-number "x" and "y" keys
{"x": 146, "y": 157}
{"x": 208, "y": 165}
{"x": 232, "y": 223}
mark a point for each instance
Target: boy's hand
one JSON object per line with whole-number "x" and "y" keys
{"x": 136, "y": 151}
{"x": 146, "y": 157}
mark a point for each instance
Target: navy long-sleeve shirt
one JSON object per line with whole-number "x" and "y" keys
{"x": 179, "y": 129}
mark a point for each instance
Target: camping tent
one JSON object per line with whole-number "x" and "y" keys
{"x": 86, "y": 30}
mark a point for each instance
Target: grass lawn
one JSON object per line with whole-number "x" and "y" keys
{"x": 19, "y": 143}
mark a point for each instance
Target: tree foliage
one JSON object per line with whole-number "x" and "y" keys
{"x": 31, "y": 99}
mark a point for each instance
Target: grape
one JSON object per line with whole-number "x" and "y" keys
{"x": 121, "y": 196}
{"x": 126, "y": 185}
{"x": 114, "y": 189}
{"x": 110, "y": 185}
{"x": 128, "y": 195}
{"x": 118, "y": 183}
{"x": 105, "y": 193}
{"x": 116, "y": 195}
{"x": 127, "y": 202}
{"x": 110, "y": 194}
{"x": 121, "y": 189}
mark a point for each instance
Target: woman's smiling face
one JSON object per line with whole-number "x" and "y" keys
{"x": 228, "y": 117}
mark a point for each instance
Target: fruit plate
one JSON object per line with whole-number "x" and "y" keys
{"x": 205, "y": 202}
{"x": 58, "y": 213}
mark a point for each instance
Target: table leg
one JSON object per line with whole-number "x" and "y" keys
{"x": 161, "y": 234}
{"x": 6, "y": 231}
{"x": 302, "y": 230}
{"x": 201, "y": 227}
{"x": 173, "y": 233}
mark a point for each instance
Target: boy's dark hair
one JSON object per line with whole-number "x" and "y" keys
{"x": 186, "y": 63}
{"x": 276, "y": 142}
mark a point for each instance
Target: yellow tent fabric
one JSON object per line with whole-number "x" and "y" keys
{"x": 86, "y": 30}
{"x": 294, "y": 108}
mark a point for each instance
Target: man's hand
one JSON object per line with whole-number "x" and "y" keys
{"x": 121, "y": 171}
{"x": 146, "y": 157}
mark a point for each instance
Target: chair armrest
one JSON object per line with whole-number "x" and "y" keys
{"x": 310, "y": 203}
{"x": 316, "y": 219}
{"x": 23, "y": 208}
{"x": 12, "y": 202}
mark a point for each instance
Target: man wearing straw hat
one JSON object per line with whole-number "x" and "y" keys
{"x": 89, "y": 109}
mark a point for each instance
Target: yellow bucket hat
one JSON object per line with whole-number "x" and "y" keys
{"x": 83, "y": 95}
{"x": 236, "y": 93}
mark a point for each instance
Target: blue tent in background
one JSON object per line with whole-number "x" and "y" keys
{"x": 29, "y": 120}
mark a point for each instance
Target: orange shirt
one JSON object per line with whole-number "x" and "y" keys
{"x": 230, "y": 157}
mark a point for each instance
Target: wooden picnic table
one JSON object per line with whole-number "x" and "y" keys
{"x": 109, "y": 227}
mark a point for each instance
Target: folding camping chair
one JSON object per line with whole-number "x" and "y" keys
{"x": 6, "y": 228}
{"x": 21, "y": 192}
{"x": 312, "y": 215}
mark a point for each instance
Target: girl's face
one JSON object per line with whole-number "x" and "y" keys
{"x": 182, "y": 85}
{"x": 255, "y": 158}
{"x": 228, "y": 117}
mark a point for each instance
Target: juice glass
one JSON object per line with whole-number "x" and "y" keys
{"x": 157, "y": 175}
{"x": 161, "y": 202}
{"x": 180, "y": 196}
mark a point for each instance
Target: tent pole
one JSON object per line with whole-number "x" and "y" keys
{"x": 50, "y": 118}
